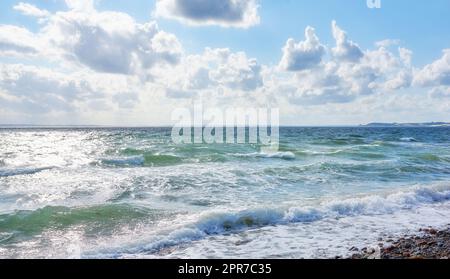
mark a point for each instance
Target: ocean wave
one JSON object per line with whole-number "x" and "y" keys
{"x": 159, "y": 160}
{"x": 431, "y": 157}
{"x": 124, "y": 162}
{"x": 321, "y": 153}
{"x": 6, "y": 172}
{"x": 219, "y": 222}
{"x": 192, "y": 228}
{"x": 145, "y": 160}
{"x": 277, "y": 155}
{"x": 340, "y": 141}
{"x": 35, "y": 221}
{"x": 408, "y": 139}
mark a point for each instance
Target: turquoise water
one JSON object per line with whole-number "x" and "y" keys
{"x": 114, "y": 193}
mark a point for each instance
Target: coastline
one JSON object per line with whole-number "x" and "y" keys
{"x": 428, "y": 243}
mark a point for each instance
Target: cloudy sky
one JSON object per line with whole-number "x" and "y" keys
{"x": 328, "y": 62}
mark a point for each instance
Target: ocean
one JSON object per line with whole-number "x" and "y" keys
{"x": 133, "y": 193}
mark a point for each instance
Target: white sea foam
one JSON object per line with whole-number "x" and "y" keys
{"x": 219, "y": 221}
{"x": 325, "y": 238}
{"x": 186, "y": 229}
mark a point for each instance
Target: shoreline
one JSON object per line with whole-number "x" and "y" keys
{"x": 428, "y": 243}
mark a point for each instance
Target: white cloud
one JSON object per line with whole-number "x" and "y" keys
{"x": 326, "y": 80}
{"x": 440, "y": 93}
{"x": 436, "y": 73}
{"x": 345, "y": 49}
{"x": 109, "y": 42}
{"x": 236, "y": 71}
{"x": 213, "y": 71}
{"x": 393, "y": 71}
{"x": 405, "y": 55}
{"x": 34, "y": 89}
{"x": 303, "y": 55}
{"x": 387, "y": 43}
{"x": 17, "y": 41}
{"x": 81, "y": 5}
{"x": 225, "y": 13}
{"x": 31, "y": 10}
{"x": 320, "y": 86}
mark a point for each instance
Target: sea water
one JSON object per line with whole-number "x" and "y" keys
{"x": 133, "y": 193}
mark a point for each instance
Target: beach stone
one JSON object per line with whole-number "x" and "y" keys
{"x": 435, "y": 244}
{"x": 354, "y": 249}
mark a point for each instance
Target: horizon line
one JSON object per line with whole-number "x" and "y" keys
{"x": 2, "y": 126}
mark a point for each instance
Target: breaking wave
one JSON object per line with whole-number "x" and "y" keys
{"x": 219, "y": 222}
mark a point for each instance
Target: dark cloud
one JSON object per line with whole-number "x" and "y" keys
{"x": 237, "y": 13}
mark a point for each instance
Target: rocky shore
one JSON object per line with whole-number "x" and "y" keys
{"x": 427, "y": 244}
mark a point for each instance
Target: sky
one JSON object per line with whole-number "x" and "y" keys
{"x": 132, "y": 63}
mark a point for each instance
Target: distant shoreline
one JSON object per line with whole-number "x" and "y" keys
{"x": 426, "y": 124}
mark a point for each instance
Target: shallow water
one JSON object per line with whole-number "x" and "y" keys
{"x": 133, "y": 193}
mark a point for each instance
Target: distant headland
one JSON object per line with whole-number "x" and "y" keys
{"x": 426, "y": 124}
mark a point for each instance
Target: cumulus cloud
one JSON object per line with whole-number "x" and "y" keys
{"x": 111, "y": 42}
{"x": 320, "y": 86}
{"x": 213, "y": 71}
{"x": 345, "y": 49}
{"x": 108, "y": 42}
{"x": 225, "y": 13}
{"x": 31, "y": 10}
{"x": 17, "y": 41}
{"x": 303, "y": 55}
{"x": 236, "y": 70}
{"x": 324, "y": 80}
{"x": 405, "y": 55}
{"x": 436, "y": 73}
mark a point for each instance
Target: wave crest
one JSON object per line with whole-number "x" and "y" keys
{"x": 276, "y": 155}
{"x": 192, "y": 228}
{"x": 22, "y": 171}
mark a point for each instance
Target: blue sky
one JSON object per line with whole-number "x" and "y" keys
{"x": 260, "y": 66}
